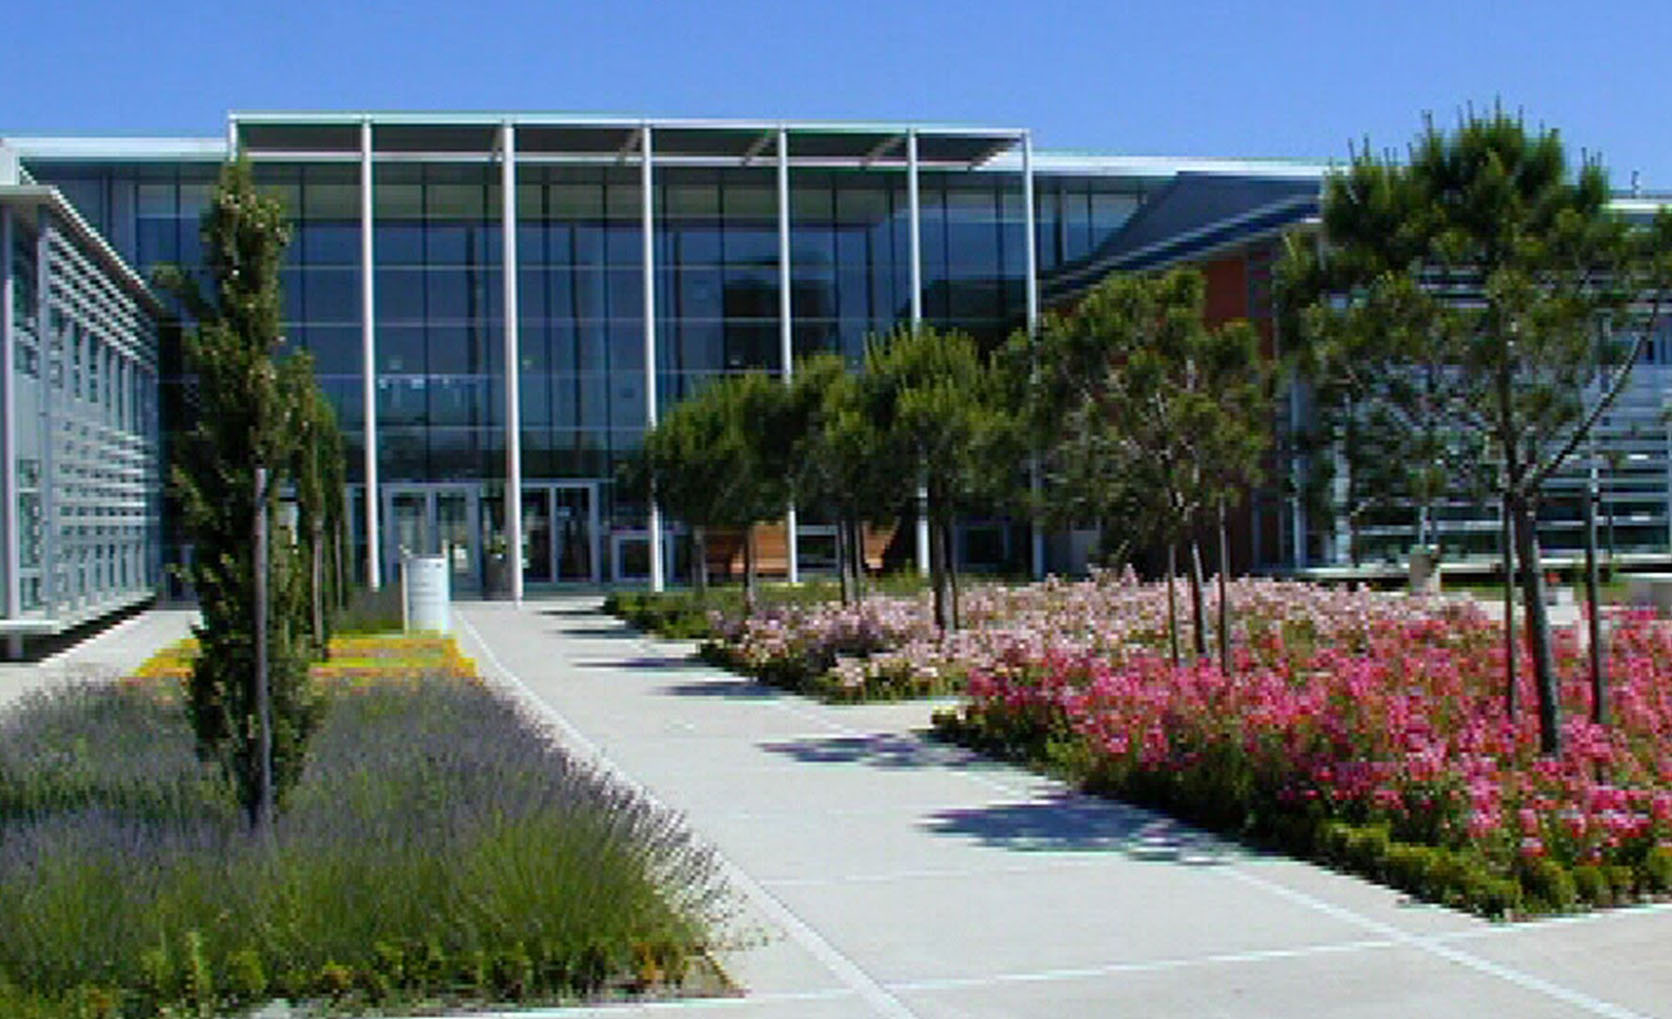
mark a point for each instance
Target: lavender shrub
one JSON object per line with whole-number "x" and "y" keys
{"x": 438, "y": 849}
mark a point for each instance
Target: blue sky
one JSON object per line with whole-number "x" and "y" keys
{"x": 1281, "y": 79}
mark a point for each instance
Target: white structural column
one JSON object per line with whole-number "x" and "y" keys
{"x": 915, "y": 232}
{"x": 368, "y": 355}
{"x": 1030, "y": 246}
{"x": 657, "y": 581}
{"x": 8, "y": 428}
{"x": 513, "y": 358}
{"x": 786, "y": 335}
{"x": 52, "y": 361}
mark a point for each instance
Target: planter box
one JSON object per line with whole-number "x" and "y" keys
{"x": 496, "y": 577}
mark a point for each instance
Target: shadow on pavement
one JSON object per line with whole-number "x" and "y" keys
{"x": 574, "y": 610}
{"x": 741, "y": 689}
{"x": 39, "y": 648}
{"x": 881, "y": 750}
{"x": 588, "y": 632}
{"x": 658, "y": 663}
{"x": 1069, "y": 822}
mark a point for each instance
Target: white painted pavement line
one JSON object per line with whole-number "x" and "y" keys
{"x": 1616, "y": 915}
{"x": 932, "y": 874}
{"x": 1146, "y": 966}
{"x": 1434, "y": 946}
{"x": 845, "y": 969}
{"x": 608, "y": 1010}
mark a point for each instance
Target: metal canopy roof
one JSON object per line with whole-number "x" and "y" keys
{"x": 543, "y": 137}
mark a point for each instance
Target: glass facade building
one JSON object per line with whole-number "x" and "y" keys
{"x": 758, "y": 242}
{"x": 498, "y": 306}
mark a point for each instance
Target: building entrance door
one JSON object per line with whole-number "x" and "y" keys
{"x": 575, "y": 532}
{"x": 434, "y": 520}
{"x": 559, "y": 531}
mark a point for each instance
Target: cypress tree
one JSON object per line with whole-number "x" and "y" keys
{"x": 249, "y": 419}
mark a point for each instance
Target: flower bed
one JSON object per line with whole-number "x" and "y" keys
{"x": 438, "y": 853}
{"x": 1372, "y": 732}
{"x": 352, "y": 658}
{"x": 879, "y": 647}
{"x": 1363, "y": 729}
{"x": 887, "y": 646}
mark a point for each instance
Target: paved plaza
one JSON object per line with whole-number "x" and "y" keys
{"x": 881, "y": 874}
{"x": 888, "y": 875}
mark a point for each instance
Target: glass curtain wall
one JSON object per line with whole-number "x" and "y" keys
{"x": 440, "y": 397}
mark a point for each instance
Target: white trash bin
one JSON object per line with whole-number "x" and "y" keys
{"x": 1425, "y": 571}
{"x": 426, "y": 593}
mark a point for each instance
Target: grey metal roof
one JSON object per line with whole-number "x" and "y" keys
{"x": 570, "y": 137}
{"x": 1194, "y": 215}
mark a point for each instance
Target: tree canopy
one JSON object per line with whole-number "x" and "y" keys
{"x": 1146, "y": 415}
{"x": 1480, "y": 306}
{"x": 931, "y": 398}
{"x": 723, "y": 458}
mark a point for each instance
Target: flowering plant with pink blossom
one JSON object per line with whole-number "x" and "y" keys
{"x": 1384, "y": 714}
{"x": 888, "y": 645}
{"x": 1369, "y": 711}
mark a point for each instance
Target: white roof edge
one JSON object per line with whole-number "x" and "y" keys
{"x": 488, "y": 118}
{"x": 1164, "y": 166}
{"x": 1642, "y": 203}
{"x": 44, "y": 194}
{"x": 88, "y": 147}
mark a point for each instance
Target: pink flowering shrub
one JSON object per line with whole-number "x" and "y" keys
{"x": 800, "y": 645}
{"x": 1375, "y": 713}
{"x": 888, "y": 646}
{"x": 1365, "y": 728}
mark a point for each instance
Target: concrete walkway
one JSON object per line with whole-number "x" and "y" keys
{"x": 108, "y": 654}
{"x": 884, "y": 875}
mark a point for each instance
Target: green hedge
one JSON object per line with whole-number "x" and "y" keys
{"x": 677, "y": 615}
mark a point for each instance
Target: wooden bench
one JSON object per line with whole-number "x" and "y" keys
{"x": 725, "y": 549}
{"x": 1650, "y": 589}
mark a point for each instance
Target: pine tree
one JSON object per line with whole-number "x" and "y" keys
{"x": 1497, "y": 304}
{"x": 1150, "y": 418}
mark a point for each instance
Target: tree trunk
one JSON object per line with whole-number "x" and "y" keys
{"x": 1198, "y": 599}
{"x": 1510, "y": 652}
{"x": 262, "y": 815}
{"x": 856, "y": 555}
{"x": 699, "y": 562}
{"x": 1224, "y": 594}
{"x": 1538, "y": 630}
{"x": 949, "y": 560}
{"x": 1593, "y": 605}
{"x": 749, "y": 591}
{"x": 844, "y": 579}
{"x": 937, "y": 570}
{"x": 317, "y": 554}
{"x": 1173, "y": 602}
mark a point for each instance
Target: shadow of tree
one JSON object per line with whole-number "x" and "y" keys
{"x": 882, "y": 750}
{"x": 573, "y": 611}
{"x": 622, "y": 632}
{"x": 658, "y": 663}
{"x": 1073, "y": 822}
{"x": 742, "y": 689}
